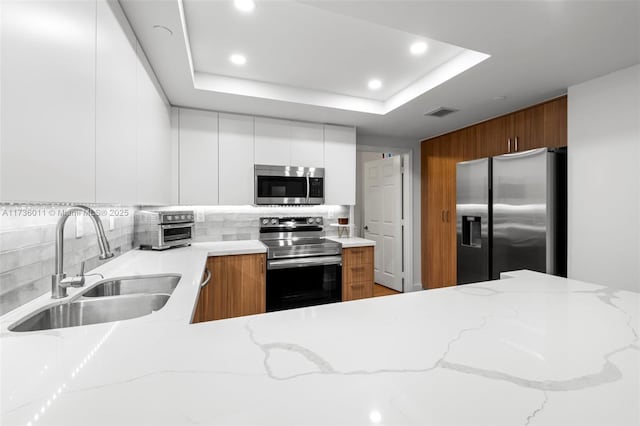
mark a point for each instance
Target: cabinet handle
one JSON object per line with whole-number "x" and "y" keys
{"x": 206, "y": 280}
{"x": 442, "y": 215}
{"x": 357, "y": 285}
{"x": 357, "y": 268}
{"x": 509, "y": 145}
{"x": 447, "y": 216}
{"x": 516, "y": 144}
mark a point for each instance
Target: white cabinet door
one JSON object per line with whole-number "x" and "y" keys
{"x": 154, "y": 138}
{"x": 47, "y": 139}
{"x": 340, "y": 165}
{"x": 116, "y": 140}
{"x": 307, "y": 145}
{"x": 272, "y": 142}
{"x": 198, "y": 157}
{"x": 236, "y": 159}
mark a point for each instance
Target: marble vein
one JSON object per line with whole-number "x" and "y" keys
{"x": 324, "y": 367}
{"x": 537, "y": 410}
{"x": 609, "y": 373}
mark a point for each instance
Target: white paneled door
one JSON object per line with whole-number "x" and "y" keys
{"x": 383, "y": 218}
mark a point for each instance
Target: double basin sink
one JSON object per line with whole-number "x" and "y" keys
{"x": 112, "y": 299}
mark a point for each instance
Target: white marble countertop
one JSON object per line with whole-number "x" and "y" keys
{"x": 226, "y": 248}
{"x": 349, "y": 242}
{"x": 528, "y": 350}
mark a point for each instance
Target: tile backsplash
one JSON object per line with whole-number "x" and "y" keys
{"x": 27, "y": 239}
{"x": 226, "y": 223}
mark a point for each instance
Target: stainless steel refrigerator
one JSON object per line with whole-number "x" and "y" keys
{"x": 511, "y": 214}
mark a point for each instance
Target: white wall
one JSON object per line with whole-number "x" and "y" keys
{"x": 403, "y": 145}
{"x": 604, "y": 180}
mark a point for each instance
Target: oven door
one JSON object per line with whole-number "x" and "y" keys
{"x": 176, "y": 234}
{"x": 300, "y": 282}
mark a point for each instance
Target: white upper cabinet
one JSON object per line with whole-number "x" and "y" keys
{"x": 340, "y": 165}
{"x": 272, "y": 141}
{"x": 236, "y": 159}
{"x": 154, "y": 138}
{"x": 47, "y": 139}
{"x": 307, "y": 145}
{"x": 198, "y": 157}
{"x": 116, "y": 112}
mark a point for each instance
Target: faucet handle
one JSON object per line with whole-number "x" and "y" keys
{"x": 77, "y": 281}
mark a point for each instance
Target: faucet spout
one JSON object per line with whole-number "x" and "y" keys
{"x": 58, "y": 289}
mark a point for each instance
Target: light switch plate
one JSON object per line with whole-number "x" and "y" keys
{"x": 79, "y": 226}
{"x": 199, "y": 215}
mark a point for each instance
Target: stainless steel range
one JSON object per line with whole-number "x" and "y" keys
{"x": 303, "y": 268}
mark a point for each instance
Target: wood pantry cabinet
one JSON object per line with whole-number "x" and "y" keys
{"x": 357, "y": 273}
{"x": 543, "y": 125}
{"x": 237, "y": 288}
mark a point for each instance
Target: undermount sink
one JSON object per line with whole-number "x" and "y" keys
{"x": 91, "y": 311}
{"x": 147, "y": 284}
{"x": 113, "y": 299}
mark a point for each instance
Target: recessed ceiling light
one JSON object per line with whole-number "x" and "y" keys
{"x": 375, "y": 84}
{"x": 418, "y": 48}
{"x": 238, "y": 59}
{"x": 245, "y": 5}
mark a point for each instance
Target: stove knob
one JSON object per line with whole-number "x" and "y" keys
{"x": 318, "y": 219}
{"x": 182, "y": 217}
{"x": 190, "y": 217}
{"x": 274, "y": 221}
{"x": 265, "y": 221}
{"x": 310, "y": 220}
{"x": 169, "y": 217}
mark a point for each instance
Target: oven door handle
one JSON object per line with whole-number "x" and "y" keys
{"x": 304, "y": 262}
{"x": 177, "y": 225}
{"x": 308, "y": 188}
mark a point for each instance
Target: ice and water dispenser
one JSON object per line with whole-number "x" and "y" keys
{"x": 471, "y": 231}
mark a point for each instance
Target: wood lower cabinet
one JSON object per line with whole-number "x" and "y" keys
{"x": 357, "y": 273}
{"x": 236, "y": 288}
{"x": 543, "y": 125}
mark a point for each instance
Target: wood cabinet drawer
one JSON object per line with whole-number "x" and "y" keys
{"x": 359, "y": 290}
{"x": 358, "y": 272}
{"x": 358, "y": 256}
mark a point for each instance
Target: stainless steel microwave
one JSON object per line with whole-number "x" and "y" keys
{"x": 288, "y": 185}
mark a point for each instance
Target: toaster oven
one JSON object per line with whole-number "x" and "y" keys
{"x": 160, "y": 230}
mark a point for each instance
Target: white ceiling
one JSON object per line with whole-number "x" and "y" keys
{"x": 300, "y": 54}
{"x": 288, "y": 43}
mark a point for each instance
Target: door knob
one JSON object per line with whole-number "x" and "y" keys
{"x": 366, "y": 228}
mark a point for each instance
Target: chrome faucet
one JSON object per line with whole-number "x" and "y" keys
{"x": 59, "y": 281}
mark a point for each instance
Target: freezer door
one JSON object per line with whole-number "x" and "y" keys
{"x": 472, "y": 220}
{"x": 520, "y": 194}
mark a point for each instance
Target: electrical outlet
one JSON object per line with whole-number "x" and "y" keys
{"x": 79, "y": 226}
{"x": 331, "y": 214}
{"x": 199, "y": 215}
{"x": 112, "y": 223}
